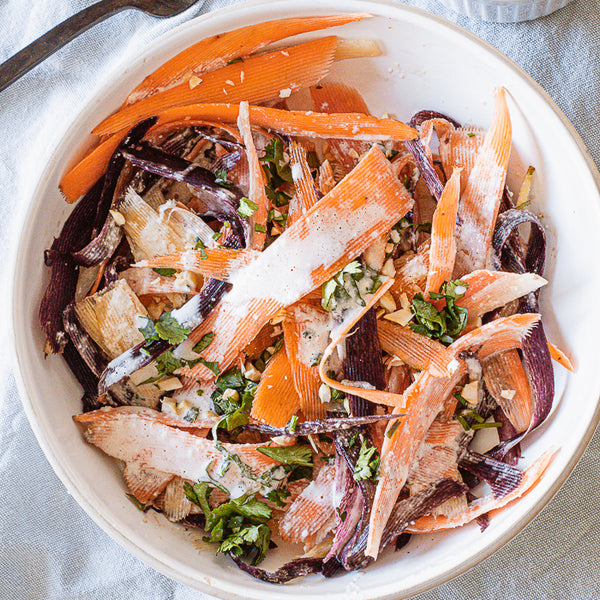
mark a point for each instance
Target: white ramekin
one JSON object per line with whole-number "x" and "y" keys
{"x": 505, "y": 11}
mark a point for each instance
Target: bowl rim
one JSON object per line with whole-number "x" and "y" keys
{"x": 63, "y": 470}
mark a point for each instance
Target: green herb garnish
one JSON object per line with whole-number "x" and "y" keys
{"x": 239, "y": 59}
{"x": 169, "y": 329}
{"x": 260, "y": 228}
{"x": 445, "y": 325}
{"x": 367, "y": 464}
{"x": 247, "y": 207}
{"x": 204, "y": 342}
{"x": 300, "y": 456}
{"x": 238, "y": 526}
{"x": 276, "y": 167}
{"x": 165, "y": 272}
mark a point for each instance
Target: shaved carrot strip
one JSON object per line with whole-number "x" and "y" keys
{"x": 363, "y": 206}
{"x": 423, "y": 401}
{"x": 418, "y": 351}
{"x": 460, "y": 148}
{"x": 266, "y": 337}
{"x": 89, "y": 169}
{"x": 307, "y": 381}
{"x": 256, "y": 192}
{"x": 306, "y": 195}
{"x": 257, "y": 79}
{"x": 507, "y": 382}
{"x": 312, "y": 515}
{"x": 339, "y": 98}
{"x": 276, "y": 400}
{"x": 214, "y": 52}
{"x": 488, "y": 290}
{"x": 560, "y": 357}
{"x": 344, "y": 125}
{"x": 487, "y": 504}
{"x": 480, "y": 200}
{"x": 218, "y": 263}
{"x": 443, "y": 246}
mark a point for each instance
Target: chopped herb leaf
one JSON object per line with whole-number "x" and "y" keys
{"x": 213, "y": 366}
{"x": 247, "y": 207}
{"x": 165, "y": 272}
{"x": 191, "y": 415}
{"x": 221, "y": 177}
{"x": 316, "y": 360}
{"x": 199, "y": 244}
{"x": 235, "y": 408}
{"x": 392, "y": 430}
{"x": 445, "y": 325}
{"x": 276, "y": 166}
{"x": 341, "y": 515}
{"x": 367, "y": 464}
{"x": 289, "y": 455}
{"x": 148, "y": 330}
{"x": 238, "y": 526}
{"x": 204, "y": 342}
{"x": 167, "y": 364}
{"x": 277, "y": 197}
{"x": 470, "y": 135}
{"x": 277, "y": 496}
{"x": 217, "y": 235}
{"x": 169, "y": 329}
{"x": 292, "y": 424}
{"x": 260, "y": 228}
{"x": 239, "y": 59}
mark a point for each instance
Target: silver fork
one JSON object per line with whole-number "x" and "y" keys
{"x": 56, "y": 38}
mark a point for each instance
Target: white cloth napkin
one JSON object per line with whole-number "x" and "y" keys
{"x": 49, "y": 548}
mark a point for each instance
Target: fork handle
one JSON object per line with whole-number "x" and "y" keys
{"x": 56, "y": 38}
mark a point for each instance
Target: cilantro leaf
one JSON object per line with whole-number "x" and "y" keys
{"x": 277, "y": 496}
{"x": 170, "y": 329}
{"x": 300, "y": 456}
{"x": 260, "y": 228}
{"x": 255, "y": 536}
{"x": 167, "y": 364}
{"x": 199, "y": 245}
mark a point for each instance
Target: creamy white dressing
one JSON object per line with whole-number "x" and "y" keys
{"x": 284, "y": 270}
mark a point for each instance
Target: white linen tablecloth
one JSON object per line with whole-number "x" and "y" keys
{"x": 49, "y": 548}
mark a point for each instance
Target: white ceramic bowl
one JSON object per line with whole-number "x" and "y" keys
{"x": 427, "y": 63}
{"x": 505, "y": 11}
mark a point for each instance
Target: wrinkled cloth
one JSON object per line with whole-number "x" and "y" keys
{"x": 49, "y": 548}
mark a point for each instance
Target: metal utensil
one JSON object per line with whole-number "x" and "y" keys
{"x": 56, "y": 38}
